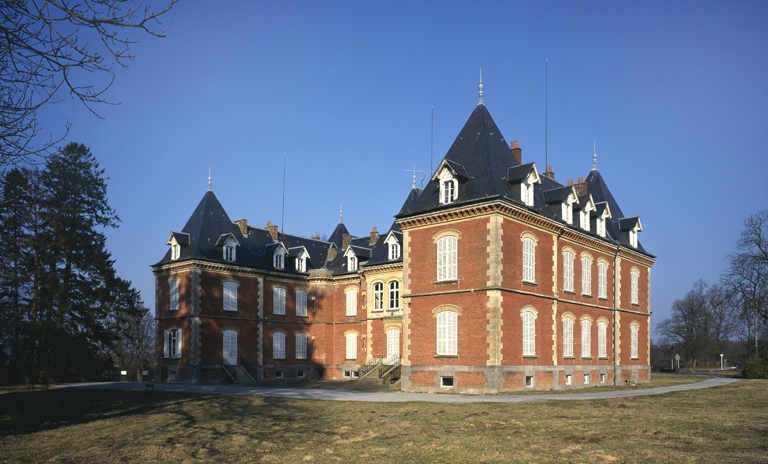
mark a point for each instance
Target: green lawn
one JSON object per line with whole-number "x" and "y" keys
{"x": 722, "y": 424}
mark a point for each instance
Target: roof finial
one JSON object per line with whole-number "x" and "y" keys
{"x": 414, "y": 176}
{"x": 594, "y": 157}
{"x": 209, "y": 179}
{"x": 480, "y": 87}
{"x": 341, "y": 212}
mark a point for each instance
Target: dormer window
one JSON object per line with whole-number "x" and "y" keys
{"x": 602, "y": 213}
{"x": 301, "y": 264}
{"x": 393, "y": 247}
{"x": 526, "y": 193}
{"x": 228, "y": 245}
{"x": 176, "y": 240}
{"x": 175, "y": 251}
{"x": 600, "y": 224}
{"x": 567, "y": 212}
{"x": 448, "y": 187}
{"x": 278, "y": 257}
{"x": 279, "y": 261}
{"x": 586, "y": 212}
{"x": 299, "y": 255}
{"x": 633, "y": 238}
{"x": 352, "y": 262}
{"x": 632, "y": 225}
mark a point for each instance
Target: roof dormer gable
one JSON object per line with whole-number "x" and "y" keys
{"x": 300, "y": 257}
{"x": 527, "y": 176}
{"x": 566, "y": 197}
{"x": 177, "y": 240}
{"x": 228, "y": 244}
{"x": 277, "y": 252}
{"x": 448, "y": 175}
{"x": 393, "y": 246}
{"x": 631, "y": 226}
{"x": 587, "y": 204}
{"x": 601, "y": 214}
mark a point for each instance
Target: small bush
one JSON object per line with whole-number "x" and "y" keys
{"x": 757, "y": 368}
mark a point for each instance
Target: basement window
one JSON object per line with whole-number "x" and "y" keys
{"x": 446, "y": 382}
{"x": 528, "y": 381}
{"x": 569, "y": 379}
{"x": 300, "y": 374}
{"x": 602, "y": 378}
{"x": 586, "y": 379}
{"x": 279, "y": 374}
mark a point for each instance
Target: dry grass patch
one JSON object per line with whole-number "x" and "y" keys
{"x": 723, "y": 424}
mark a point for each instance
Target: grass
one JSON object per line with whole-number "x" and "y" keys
{"x": 722, "y": 424}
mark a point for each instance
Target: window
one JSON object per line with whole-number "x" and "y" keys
{"x": 633, "y": 341}
{"x": 175, "y": 251}
{"x": 301, "y": 303}
{"x": 447, "y": 333}
{"x": 529, "y": 260}
{"x": 635, "y": 275}
{"x": 351, "y": 345}
{"x": 174, "y": 289}
{"x": 585, "y": 219}
{"x": 394, "y": 251}
{"x": 568, "y": 271}
{"x": 278, "y": 345}
{"x": 446, "y": 382}
{"x": 447, "y": 187}
{"x": 352, "y": 262}
{"x": 600, "y": 224}
{"x": 633, "y": 238}
{"x": 586, "y": 338}
{"x": 529, "y": 333}
{"x": 301, "y": 264}
{"x": 526, "y": 191}
{"x": 393, "y": 346}
{"x": 378, "y": 296}
{"x": 230, "y": 347}
{"x": 394, "y": 295}
{"x": 301, "y": 346}
{"x": 351, "y": 303}
{"x": 602, "y": 280}
{"x": 586, "y": 276}
{"x": 586, "y": 379}
{"x": 568, "y": 210}
{"x": 230, "y": 296}
{"x": 567, "y": 336}
{"x": 278, "y": 301}
{"x": 569, "y": 379}
{"x": 173, "y": 343}
{"x": 279, "y": 259}
{"x": 446, "y": 258}
{"x": 601, "y": 339}
{"x": 529, "y": 381}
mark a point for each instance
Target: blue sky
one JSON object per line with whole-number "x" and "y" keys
{"x": 673, "y": 94}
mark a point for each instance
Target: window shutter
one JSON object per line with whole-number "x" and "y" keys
{"x": 178, "y": 343}
{"x": 166, "y": 348}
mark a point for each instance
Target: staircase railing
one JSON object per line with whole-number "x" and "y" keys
{"x": 372, "y": 364}
{"x": 393, "y": 375}
{"x": 229, "y": 369}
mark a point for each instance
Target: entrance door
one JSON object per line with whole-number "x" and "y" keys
{"x": 230, "y": 347}
{"x": 393, "y": 346}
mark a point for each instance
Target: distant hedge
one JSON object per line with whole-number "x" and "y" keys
{"x": 757, "y": 368}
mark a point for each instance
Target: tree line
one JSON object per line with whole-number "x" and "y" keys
{"x": 64, "y": 313}
{"x": 706, "y": 321}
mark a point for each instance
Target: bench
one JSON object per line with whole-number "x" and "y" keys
{"x": 43, "y": 386}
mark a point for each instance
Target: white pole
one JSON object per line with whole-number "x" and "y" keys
{"x": 721, "y": 361}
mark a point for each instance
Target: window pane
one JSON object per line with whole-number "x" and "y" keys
{"x": 447, "y": 333}
{"x": 529, "y": 333}
{"x": 174, "y": 284}
{"x": 301, "y": 346}
{"x": 351, "y": 302}
{"x": 394, "y": 295}
{"x": 301, "y": 303}
{"x": 278, "y": 345}
{"x": 278, "y": 305}
{"x": 351, "y": 345}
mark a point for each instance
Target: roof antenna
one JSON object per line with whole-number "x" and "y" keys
{"x": 546, "y": 76}
{"x": 432, "y": 137}
{"x": 480, "y": 87}
{"x": 594, "y": 158}
{"x": 209, "y": 179}
{"x": 282, "y": 220}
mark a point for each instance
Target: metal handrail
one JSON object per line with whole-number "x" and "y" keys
{"x": 372, "y": 364}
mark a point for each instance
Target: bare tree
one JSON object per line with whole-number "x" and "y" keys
{"x": 50, "y": 47}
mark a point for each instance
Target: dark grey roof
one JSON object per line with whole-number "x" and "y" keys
{"x": 362, "y": 253}
{"x": 629, "y": 223}
{"x": 180, "y": 237}
{"x": 337, "y": 235}
{"x": 557, "y": 195}
{"x": 519, "y": 173}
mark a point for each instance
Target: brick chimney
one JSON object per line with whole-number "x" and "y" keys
{"x": 345, "y": 240}
{"x": 316, "y": 237}
{"x": 517, "y": 152}
{"x": 243, "y": 225}
{"x": 374, "y": 236}
{"x": 581, "y": 187}
{"x": 549, "y": 172}
{"x": 272, "y": 230}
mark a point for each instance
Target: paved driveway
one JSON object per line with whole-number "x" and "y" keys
{"x": 395, "y": 397}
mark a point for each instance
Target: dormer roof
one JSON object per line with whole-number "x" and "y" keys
{"x": 223, "y": 239}
{"x": 631, "y": 223}
{"x": 180, "y": 238}
{"x": 522, "y": 172}
{"x": 560, "y": 195}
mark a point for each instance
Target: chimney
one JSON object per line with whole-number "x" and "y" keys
{"x": 345, "y": 241}
{"x": 517, "y": 152}
{"x": 549, "y": 172}
{"x": 243, "y": 225}
{"x": 316, "y": 237}
{"x": 272, "y": 230}
{"x": 374, "y": 236}
{"x": 581, "y": 187}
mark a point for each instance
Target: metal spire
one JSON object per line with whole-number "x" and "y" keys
{"x": 480, "y": 87}
{"x": 594, "y": 157}
{"x": 341, "y": 212}
{"x": 209, "y": 179}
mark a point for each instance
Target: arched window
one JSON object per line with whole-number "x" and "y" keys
{"x": 394, "y": 295}
{"x": 278, "y": 301}
{"x": 301, "y": 346}
{"x": 447, "y": 333}
{"x": 301, "y": 303}
{"x": 172, "y": 347}
{"x": 586, "y": 338}
{"x": 586, "y": 275}
{"x": 394, "y": 251}
{"x": 230, "y": 347}
{"x": 568, "y": 271}
{"x": 351, "y": 339}
{"x": 529, "y": 333}
{"x": 393, "y": 346}
{"x": 567, "y": 336}
{"x": 602, "y": 280}
{"x": 351, "y": 302}
{"x": 635, "y": 276}
{"x": 601, "y": 339}
{"x": 446, "y": 258}
{"x": 378, "y": 296}
{"x": 529, "y": 260}
{"x": 278, "y": 345}
{"x": 174, "y": 290}
{"x": 633, "y": 340}
{"x": 230, "y": 296}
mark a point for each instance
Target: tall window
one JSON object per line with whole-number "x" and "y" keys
{"x": 378, "y": 296}
{"x": 301, "y": 264}
{"x": 278, "y": 300}
{"x": 568, "y": 271}
{"x": 394, "y": 251}
{"x": 301, "y": 303}
{"x": 447, "y": 333}
{"x": 586, "y": 276}
{"x": 352, "y": 262}
{"x": 602, "y": 280}
{"x": 633, "y": 340}
{"x": 278, "y": 259}
{"x": 351, "y": 302}
{"x": 230, "y": 347}
{"x": 567, "y": 336}
{"x": 529, "y": 333}
{"x": 526, "y": 191}
{"x": 278, "y": 345}
{"x": 447, "y": 187}
{"x": 172, "y": 343}
{"x": 394, "y": 295}
{"x": 229, "y": 251}
{"x": 351, "y": 339}
{"x": 230, "y": 296}
{"x": 635, "y": 275}
{"x": 529, "y": 260}
{"x": 175, "y": 251}
{"x": 586, "y": 338}
{"x": 446, "y": 258}
{"x": 601, "y": 339}
{"x": 301, "y": 346}
{"x": 393, "y": 345}
{"x": 174, "y": 289}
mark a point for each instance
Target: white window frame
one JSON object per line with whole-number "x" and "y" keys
{"x": 394, "y": 251}
{"x": 602, "y": 341}
{"x": 529, "y": 333}
{"x": 175, "y": 250}
{"x": 301, "y": 345}
{"x": 230, "y": 295}
{"x": 447, "y": 333}
{"x": 174, "y": 294}
{"x": 393, "y": 344}
{"x": 586, "y": 338}
{"x": 378, "y": 296}
{"x": 585, "y": 219}
{"x": 229, "y": 339}
{"x": 301, "y": 263}
{"x": 301, "y": 303}
{"x": 600, "y": 224}
{"x": 634, "y": 277}
{"x": 633, "y": 238}
{"x": 351, "y": 303}
{"x": 586, "y": 275}
{"x": 351, "y": 346}
{"x": 173, "y": 337}
{"x": 278, "y": 301}
{"x": 279, "y": 259}
{"x": 394, "y": 295}
{"x": 567, "y": 271}
{"x": 278, "y": 345}
{"x": 352, "y": 262}
{"x": 634, "y": 333}
{"x": 526, "y": 190}
{"x": 602, "y": 279}
{"x": 529, "y": 260}
{"x": 448, "y": 188}
{"x": 447, "y": 257}
{"x": 568, "y": 337}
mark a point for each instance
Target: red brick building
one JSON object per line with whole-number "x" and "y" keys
{"x": 493, "y": 277}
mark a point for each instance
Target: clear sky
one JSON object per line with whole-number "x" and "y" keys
{"x": 672, "y": 93}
